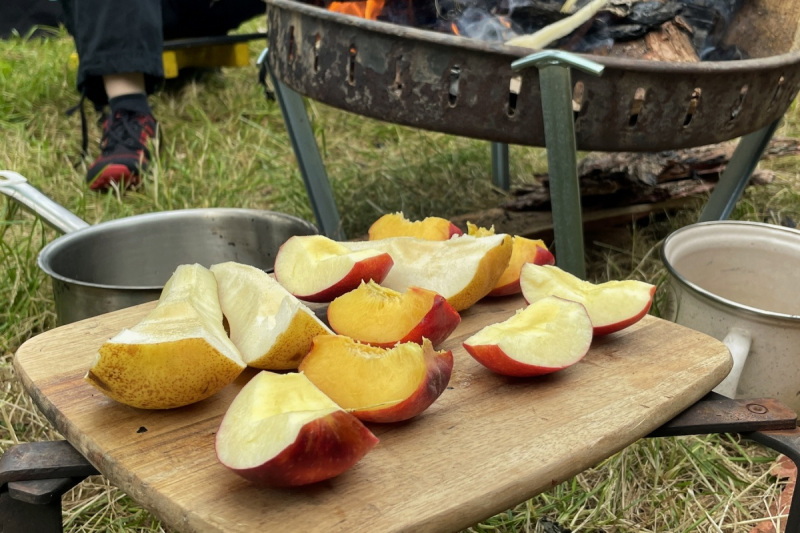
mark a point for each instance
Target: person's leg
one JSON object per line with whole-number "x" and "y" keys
{"x": 126, "y": 133}
{"x": 119, "y": 47}
{"x": 124, "y": 83}
{"x": 115, "y": 38}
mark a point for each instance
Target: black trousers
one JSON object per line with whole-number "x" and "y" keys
{"x": 121, "y": 36}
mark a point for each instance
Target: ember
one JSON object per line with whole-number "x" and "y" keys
{"x": 693, "y": 29}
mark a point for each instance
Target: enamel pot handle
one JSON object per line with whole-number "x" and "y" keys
{"x": 738, "y": 341}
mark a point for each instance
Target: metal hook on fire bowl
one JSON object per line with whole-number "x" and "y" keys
{"x": 558, "y": 58}
{"x": 555, "y": 86}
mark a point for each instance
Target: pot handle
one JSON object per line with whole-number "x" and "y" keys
{"x": 15, "y": 186}
{"x": 738, "y": 341}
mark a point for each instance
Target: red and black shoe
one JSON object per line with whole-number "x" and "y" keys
{"x": 125, "y": 154}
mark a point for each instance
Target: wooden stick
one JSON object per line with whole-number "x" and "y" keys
{"x": 562, "y": 28}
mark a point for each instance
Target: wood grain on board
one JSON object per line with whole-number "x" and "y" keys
{"x": 486, "y": 444}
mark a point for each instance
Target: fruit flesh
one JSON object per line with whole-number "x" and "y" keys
{"x": 463, "y": 269}
{"x": 383, "y": 317}
{"x": 549, "y": 334}
{"x": 359, "y": 376}
{"x": 260, "y": 424}
{"x": 611, "y": 305}
{"x": 177, "y": 355}
{"x": 280, "y": 430}
{"x": 272, "y": 329}
{"x": 522, "y": 251}
{"x": 318, "y": 269}
{"x": 397, "y": 225}
{"x": 377, "y": 384}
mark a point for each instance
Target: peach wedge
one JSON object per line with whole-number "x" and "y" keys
{"x": 523, "y": 250}
{"x": 612, "y": 306}
{"x": 397, "y": 225}
{"x": 384, "y": 317}
{"x": 378, "y": 384}
{"x": 318, "y": 269}
{"x": 463, "y": 268}
{"x": 177, "y": 355}
{"x": 271, "y": 328}
{"x": 548, "y": 335}
{"x": 282, "y": 431}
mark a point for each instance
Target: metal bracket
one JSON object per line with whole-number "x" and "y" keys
{"x": 764, "y": 420}
{"x": 33, "y": 476}
{"x": 555, "y": 83}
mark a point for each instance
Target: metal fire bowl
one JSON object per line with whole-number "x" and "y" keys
{"x": 466, "y": 87}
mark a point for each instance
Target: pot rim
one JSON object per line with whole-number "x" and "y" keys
{"x": 64, "y": 240}
{"x": 746, "y": 309}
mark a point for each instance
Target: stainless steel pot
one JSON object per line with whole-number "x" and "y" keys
{"x": 125, "y": 262}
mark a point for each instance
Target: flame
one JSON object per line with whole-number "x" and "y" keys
{"x": 368, "y": 9}
{"x": 454, "y": 28}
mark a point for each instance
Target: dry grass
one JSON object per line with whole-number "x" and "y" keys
{"x": 225, "y": 146}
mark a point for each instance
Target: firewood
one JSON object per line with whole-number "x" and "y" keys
{"x": 627, "y": 178}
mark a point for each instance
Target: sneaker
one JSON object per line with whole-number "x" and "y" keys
{"x": 125, "y": 154}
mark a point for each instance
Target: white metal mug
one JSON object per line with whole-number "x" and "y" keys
{"x": 740, "y": 283}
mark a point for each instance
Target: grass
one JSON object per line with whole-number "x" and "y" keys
{"x": 223, "y": 144}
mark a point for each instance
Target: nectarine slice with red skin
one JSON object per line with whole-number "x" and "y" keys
{"x": 384, "y": 317}
{"x": 378, "y": 384}
{"x": 523, "y": 251}
{"x": 548, "y": 335}
{"x": 281, "y": 431}
{"x": 612, "y": 305}
{"x": 318, "y": 269}
{"x": 463, "y": 268}
{"x": 397, "y": 225}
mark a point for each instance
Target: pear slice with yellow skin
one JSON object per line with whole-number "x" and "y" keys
{"x": 272, "y": 329}
{"x": 463, "y": 268}
{"x": 177, "y": 355}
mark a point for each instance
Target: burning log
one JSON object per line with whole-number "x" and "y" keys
{"x": 666, "y": 30}
{"x": 672, "y": 30}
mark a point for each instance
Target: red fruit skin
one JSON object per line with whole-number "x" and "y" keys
{"x": 455, "y": 230}
{"x": 496, "y": 360}
{"x": 543, "y": 257}
{"x": 599, "y": 331}
{"x": 437, "y": 324}
{"x": 374, "y": 268}
{"x": 439, "y": 370}
{"x": 325, "y": 448}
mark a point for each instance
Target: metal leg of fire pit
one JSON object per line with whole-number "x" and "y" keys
{"x": 555, "y": 85}
{"x": 501, "y": 178}
{"x": 312, "y": 169}
{"x": 737, "y": 173}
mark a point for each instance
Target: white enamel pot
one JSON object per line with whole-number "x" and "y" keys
{"x": 740, "y": 283}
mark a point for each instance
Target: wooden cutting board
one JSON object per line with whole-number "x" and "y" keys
{"x": 488, "y": 443}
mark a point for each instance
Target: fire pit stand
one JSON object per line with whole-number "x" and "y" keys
{"x": 469, "y": 88}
